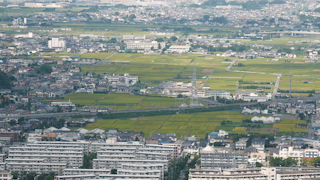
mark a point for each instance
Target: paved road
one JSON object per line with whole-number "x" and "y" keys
{"x": 232, "y": 64}
{"x": 48, "y": 115}
{"x": 276, "y": 86}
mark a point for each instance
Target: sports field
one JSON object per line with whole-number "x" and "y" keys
{"x": 198, "y": 124}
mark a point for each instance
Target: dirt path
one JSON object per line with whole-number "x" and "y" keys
{"x": 162, "y": 125}
{"x": 99, "y": 99}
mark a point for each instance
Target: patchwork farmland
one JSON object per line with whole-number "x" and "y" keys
{"x": 198, "y": 124}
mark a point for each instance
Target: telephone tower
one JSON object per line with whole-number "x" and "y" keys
{"x": 194, "y": 96}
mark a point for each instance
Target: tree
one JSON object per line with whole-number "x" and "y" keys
{"x": 113, "y": 171}
{"x": 15, "y": 175}
{"x": 44, "y": 69}
{"x": 302, "y": 116}
{"x": 316, "y": 162}
{"x": 49, "y": 177}
{"x": 180, "y": 96}
{"x": 217, "y": 144}
{"x": 31, "y": 176}
{"x": 173, "y": 38}
{"x": 21, "y": 120}
{"x": 258, "y": 164}
{"x": 12, "y": 122}
{"x": 5, "y": 80}
{"x": 282, "y": 162}
{"x": 159, "y": 39}
{"x": 131, "y": 17}
{"x": 206, "y": 18}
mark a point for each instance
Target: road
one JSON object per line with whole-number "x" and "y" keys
{"x": 276, "y": 86}
{"x": 232, "y": 64}
{"x": 48, "y": 115}
{"x": 110, "y": 56}
{"x": 205, "y": 80}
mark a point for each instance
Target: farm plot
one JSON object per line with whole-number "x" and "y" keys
{"x": 82, "y": 99}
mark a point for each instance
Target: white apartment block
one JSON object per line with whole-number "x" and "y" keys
{"x": 284, "y": 153}
{"x": 311, "y": 153}
{"x": 117, "y": 163}
{"x": 101, "y": 153}
{"x": 96, "y": 172}
{"x": 264, "y": 173}
{"x": 145, "y": 45}
{"x": 37, "y": 167}
{"x": 120, "y": 145}
{"x": 63, "y": 144}
{"x": 131, "y": 175}
{"x": 76, "y": 177}
{"x": 10, "y": 160}
{"x": 2, "y": 166}
{"x": 178, "y": 49}
{"x": 153, "y": 155}
{"x": 73, "y": 157}
{"x": 5, "y": 176}
{"x": 116, "y": 157}
{"x": 56, "y": 43}
{"x": 156, "y": 147}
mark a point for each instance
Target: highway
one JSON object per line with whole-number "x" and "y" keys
{"x": 290, "y": 32}
{"x": 48, "y": 115}
{"x": 116, "y": 112}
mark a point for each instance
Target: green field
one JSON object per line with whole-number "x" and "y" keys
{"x": 121, "y": 102}
{"x": 158, "y": 68}
{"x": 83, "y": 99}
{"x": 198, "y": 124}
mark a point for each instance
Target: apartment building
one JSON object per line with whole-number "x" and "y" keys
{"x": 96, "y": 172}
{"x": 76, "y": 177}
{"x": 263, "y": 173}
{"x": 145, "y": 45}
{"x": 5, "y": 176}
{"x": 47, "y": 153}
{"x": 211, "y": 159}
{"x": 11, "y": 160}
{"x": 117, "y": 163}
{"x": 120, "y": 145}
{"x": 163, "y": 149}
{"x": 65, "y": 144}
{"x": 61, "y": 146}
{"x": 37, "y": 167}
{"x": 153, "y": 155}
{"x": 286, "y": 152}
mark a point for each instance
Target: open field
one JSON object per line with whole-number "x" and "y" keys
{"x": 198, "y": 124}
{"x": 122, "y": 102}
{"x": 155, "y": 69}
{"x": 82, "y": 99}
{"x": 158, "y": 68}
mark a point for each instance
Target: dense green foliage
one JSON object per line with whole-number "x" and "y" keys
{"x": 5, "y": 80}
{"x": 179, "y": 167}
{"x": 87, "y": 160}
{"x": 276, "y": 162}
{"x": 44, "y": 69}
